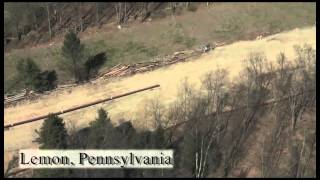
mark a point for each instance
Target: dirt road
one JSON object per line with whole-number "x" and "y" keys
{"x": 131, "y": 107}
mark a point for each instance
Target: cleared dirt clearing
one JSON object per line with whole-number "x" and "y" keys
{"x": 131, "y": 107}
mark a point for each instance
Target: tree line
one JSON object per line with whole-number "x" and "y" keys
{"x": 51, "y": 18}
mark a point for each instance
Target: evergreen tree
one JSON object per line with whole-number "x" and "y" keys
{"x": 72, "y": 53}
{"x": 31, "y": 76}
{"x": 28, "y": 70}
{"x": 45, "y": 81}
{"x": 102, "y": 121}
{"x": 53, "y": 134}
{"x": 102, "y": 133}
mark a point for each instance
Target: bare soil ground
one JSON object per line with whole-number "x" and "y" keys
{"x": 132, "y": 107}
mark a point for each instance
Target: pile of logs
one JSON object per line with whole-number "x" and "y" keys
{"x": 129, "y": 69}
{"x": 118, "y": 71}
{"x": 8, "y": 98}
{"x": 12, "y": 99}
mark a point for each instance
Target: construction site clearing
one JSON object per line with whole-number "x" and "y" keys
{"x": 119, "y": 70}
{"x": 228, "y": 57}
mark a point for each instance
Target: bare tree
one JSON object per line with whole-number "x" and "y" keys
{"x": 80, "y": 15}
{"x": 121, "y": 12}
{"x": 302, "y": 84}
{"x": 155, "y": 112}
{"x": 146, "y": 12}
{"x": 205, "y": 124}
{"x": 49, "y": 21}
{"x": 273, "y": 145}
{"x": 216, "y": 99}
{"x": 60, "y": 13}
{"x": 251, "y": 91}
{"x": 173, "y": 7}
{"x": 97, "y": 5}
{"x": 301, "y": 153}
{"x": 187, "y": 4}
{"x": 180, "y": 110}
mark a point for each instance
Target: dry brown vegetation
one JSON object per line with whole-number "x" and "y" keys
{"x": 162, "y": 36}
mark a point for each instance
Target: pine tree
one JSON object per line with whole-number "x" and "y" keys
{"x": 27, "y": 70}
{"x": 53, "y": 134}
{"x": 102, "y": 121}
{"x": 72, "y": 53}
{"x": 102, "y": 133}
{"x": 45, "y": 81}
{"x": 31, "y": 76}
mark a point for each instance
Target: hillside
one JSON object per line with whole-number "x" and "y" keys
{"x": 170, "y": 79}
{"x": 244, "y": 108}
{"x": 189, "y": 29}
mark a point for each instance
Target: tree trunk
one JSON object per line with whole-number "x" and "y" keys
{"x": 49, "y": 23}
{"x": 125, "y": 12}
{"x": 17, "y": 31}
{"x": 97, "y": 13}
{"x": 173, "y": 7}
{"x": 146, "y": 10}
{"x": 117, "y": 8}
{"x": 80, "y": 17}
{"x": 35, "y": 20}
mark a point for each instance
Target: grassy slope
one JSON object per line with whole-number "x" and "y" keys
{"x": 220, "y": 22}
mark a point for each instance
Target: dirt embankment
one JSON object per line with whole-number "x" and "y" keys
{"x": 132, "y": 107}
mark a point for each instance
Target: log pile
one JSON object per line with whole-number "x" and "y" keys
{"x": 18, "y": 97}
{"x": 13, "y": 99}
{"x": 130, "y": 69}
{"x": 8, "y": 99}
{"x": 119, "y": 70}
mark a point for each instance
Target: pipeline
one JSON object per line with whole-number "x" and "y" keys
{"x": 78, "y": 107}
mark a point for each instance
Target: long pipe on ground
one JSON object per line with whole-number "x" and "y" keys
{"x": 79, "y": 107}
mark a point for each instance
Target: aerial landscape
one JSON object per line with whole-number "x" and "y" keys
{"x": 229, "y": 87}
